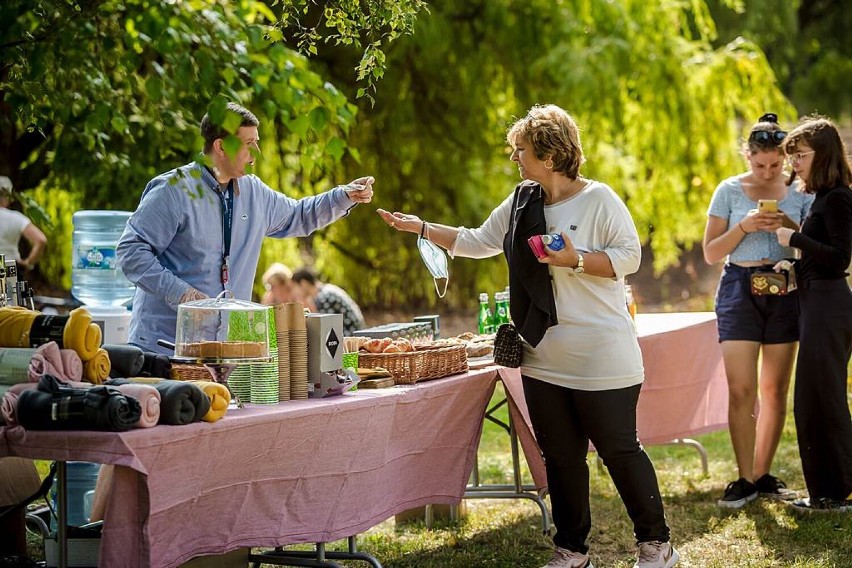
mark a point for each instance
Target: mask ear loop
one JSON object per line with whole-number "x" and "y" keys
{"x": 435, "y": 280}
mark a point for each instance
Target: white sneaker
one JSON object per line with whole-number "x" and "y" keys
{"x": 564, "y": 558}
{"x": 656, "y": 554}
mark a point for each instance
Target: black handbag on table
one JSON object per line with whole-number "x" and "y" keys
{"x": 508, "y": 346}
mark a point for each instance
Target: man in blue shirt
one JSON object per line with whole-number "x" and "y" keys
{"x": 198, "y": 228}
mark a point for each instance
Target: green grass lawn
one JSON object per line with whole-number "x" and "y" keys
{"x": 507, "y": 533}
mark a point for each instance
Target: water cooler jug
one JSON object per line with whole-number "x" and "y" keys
{"x": 96, "y": 279}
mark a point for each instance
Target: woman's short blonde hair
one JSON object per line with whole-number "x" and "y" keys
{"x": 277, "y": 273}
{"x": 553, "y": 134}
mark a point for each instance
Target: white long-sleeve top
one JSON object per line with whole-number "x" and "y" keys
{"x": 594, "y": 345}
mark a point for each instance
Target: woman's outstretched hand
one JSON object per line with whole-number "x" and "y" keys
{"x": 401, "y": 221}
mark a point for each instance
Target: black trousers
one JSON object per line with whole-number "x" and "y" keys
{"x": 823, "y": 423}
{"x": 564, "y": 421}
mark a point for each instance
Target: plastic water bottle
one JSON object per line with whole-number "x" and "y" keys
{"x": 486, "y": 320}
{"x": 96, "y": 279}
{"x": 553, "y": 241}
{"x": 81, "y": 478}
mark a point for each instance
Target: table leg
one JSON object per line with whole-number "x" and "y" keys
{"x": 517, "y": 490}
{"x": 314, "y": 558}
{"x": 698, "y": 448}
{"x": 62, "y": 509}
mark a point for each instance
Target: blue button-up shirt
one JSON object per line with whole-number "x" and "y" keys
{"x": 175, "y": 241}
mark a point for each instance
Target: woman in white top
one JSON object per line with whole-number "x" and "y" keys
{"x": 582, "y": 368}
{"x": 13, "y": 226}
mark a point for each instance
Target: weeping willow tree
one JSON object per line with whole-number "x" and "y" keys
{"x": 662, "y": 115}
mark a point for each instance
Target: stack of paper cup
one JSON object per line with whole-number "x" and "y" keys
{"x": 239, "y": 382}
{"x": 298, "y": 334}
{"x": 282, "y": 336}
{"x": 264, "y": 376}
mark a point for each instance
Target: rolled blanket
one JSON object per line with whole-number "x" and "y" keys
{"x": 72, "y": 364}
{"x": 220, "y": 398}
{"x": 15, "y": 365}
{"x": 8, "y": 406}
{"x": 96, "y": 369}
{"x": 149, "y": 400}
{"x": 9, "y": 402}
{"x": 180, "y": 401}
{"x": 47, "y": 360}
{"x": 20, "y": 327}
{"x": 127, "y": 360}
{"x": 55, "y": 406}
{"x": 15, "y": 322}
{"x": 82, "y": 335}
{"x": 155, "y": 365}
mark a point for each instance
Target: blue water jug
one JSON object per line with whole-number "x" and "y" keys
{"x": 96, "y": 279}
{"x": 81, "y": 478}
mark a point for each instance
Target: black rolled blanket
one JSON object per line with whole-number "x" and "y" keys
{"x": 127, "y": 360}
{"x": 55, "y": 406}
{"x": 155, "y": 365}
{"x": 180, "y": 402}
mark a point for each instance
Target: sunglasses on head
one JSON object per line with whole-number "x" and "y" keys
{"x": 765, "y": 136}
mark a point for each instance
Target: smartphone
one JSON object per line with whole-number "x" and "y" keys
{"x": 767, "y": 205}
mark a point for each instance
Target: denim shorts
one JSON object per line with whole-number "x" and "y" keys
{"x": 740, "y": 316}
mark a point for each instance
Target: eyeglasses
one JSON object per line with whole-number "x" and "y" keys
{"x": 765, "y": 136}
{"x": 798, "y": 156}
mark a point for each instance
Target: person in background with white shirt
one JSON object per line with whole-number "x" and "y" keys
{"x": 199, "y": 228}
{"x": 582, "y": 368}
{"x": 13, "y": 226}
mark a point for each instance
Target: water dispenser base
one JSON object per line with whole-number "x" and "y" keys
{"x": 113, "y": 321}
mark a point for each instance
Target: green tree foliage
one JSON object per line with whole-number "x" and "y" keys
{"x": 98, "y": 97}
{"x": 662, "y": 113}
{"x": 806, "y": 42}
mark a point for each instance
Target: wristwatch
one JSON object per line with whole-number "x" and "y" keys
{"x": 579, "y": 269}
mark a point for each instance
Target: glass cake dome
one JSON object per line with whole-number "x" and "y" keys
{"x": 222, "y": 328}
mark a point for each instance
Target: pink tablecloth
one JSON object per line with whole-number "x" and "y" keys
{"x": 303, "y": 471}
{"x": 685, "y": 391}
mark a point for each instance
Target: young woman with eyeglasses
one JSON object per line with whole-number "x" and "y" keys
{"x": 755, "y": 328}
{"x": 823, "y": 423}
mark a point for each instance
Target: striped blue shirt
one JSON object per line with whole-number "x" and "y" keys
{"x": 175, "y": 240}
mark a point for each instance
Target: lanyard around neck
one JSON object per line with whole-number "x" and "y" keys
{"x": 227, "y": 198}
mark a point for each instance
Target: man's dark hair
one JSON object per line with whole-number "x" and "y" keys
{"x": 211, "y": 132}
{"x": 308, "y": 275}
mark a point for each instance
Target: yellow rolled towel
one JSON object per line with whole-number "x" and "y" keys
{"x": 82, "y": 335}
{"x": 220, "y": 398}
{"x": 96, "y": 369}
{"x": 15, "y": 323}
{"x": 20, "y": 327}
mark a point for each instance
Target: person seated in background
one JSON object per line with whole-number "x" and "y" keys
{"x": 13, "y": 226}
{"x": 278, "y": 282}
{"x": 328, "y": 299}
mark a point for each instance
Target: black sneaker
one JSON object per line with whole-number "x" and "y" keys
{"x": 771, "y": 487}
{"x": 823, "y": 505}
{"x": 738, "y": 493}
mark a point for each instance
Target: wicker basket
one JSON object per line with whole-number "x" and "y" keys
{"x": 189, "y": 372}
{"x": 421, "y": 365}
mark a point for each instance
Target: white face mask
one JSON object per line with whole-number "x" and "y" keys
{"x": 435, "y": 260}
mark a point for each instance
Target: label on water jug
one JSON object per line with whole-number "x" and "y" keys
{"x": 45, "y": 329}
{"x": 96, "y": 258}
